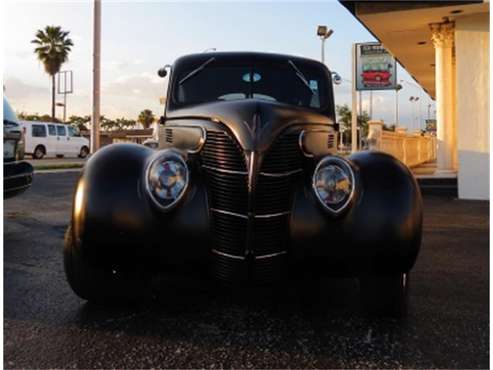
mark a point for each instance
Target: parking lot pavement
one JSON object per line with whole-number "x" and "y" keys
{"x": 54, "y": 161}
{"x": 188, "y": 326}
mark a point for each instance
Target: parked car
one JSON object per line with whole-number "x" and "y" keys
{"x": 49, "y": 139}
{"x": 247, "y": 188}
{"x": 151, "y": 143}
{"x": 17, "y": 174}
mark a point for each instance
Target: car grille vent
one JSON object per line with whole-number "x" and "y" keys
{"x": 169, "y": 135}
{"x": 227, "y": 181}
{"x": 284, "y": 155}
{"x": 330, "y": 141}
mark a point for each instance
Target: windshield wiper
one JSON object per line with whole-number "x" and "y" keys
{"x": 197, "y": 70}
{"x": 301, "y": 76}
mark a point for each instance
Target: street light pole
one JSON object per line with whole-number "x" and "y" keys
{"x": 324, "y": 33}
{"x": 96, "y": 78}
{"x": 354, "y": 117}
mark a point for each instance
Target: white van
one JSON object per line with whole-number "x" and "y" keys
{"x": 48, "y": 139}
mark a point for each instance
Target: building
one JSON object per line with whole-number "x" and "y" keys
{"x": 444, "y": 45}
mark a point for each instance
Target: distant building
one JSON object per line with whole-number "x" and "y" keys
{"x": 444, "y": 45}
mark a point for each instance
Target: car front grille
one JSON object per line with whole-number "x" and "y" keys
{"x": 250, "y": 230}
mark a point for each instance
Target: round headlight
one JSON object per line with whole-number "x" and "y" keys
{"x": 167, "y": 179}
{"x": 333, "y": 183}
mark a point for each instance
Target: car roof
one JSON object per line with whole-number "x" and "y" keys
{"x": 42, "y": 122}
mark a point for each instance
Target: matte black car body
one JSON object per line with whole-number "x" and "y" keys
{"x": 17, "y": 174}
{"x": 250, "y": 213}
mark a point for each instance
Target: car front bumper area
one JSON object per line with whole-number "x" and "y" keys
{"x": 17, "y": 178}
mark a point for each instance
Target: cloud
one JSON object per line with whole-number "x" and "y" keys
{"x": 144, "y": 84}
{"x": 17, "y": 89}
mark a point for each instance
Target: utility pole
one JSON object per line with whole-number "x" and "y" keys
{"x": 354, "y": 107}
{"x": 96, "y": 78}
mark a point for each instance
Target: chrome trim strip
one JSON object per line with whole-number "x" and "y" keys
{"x": 302, "y": 133}
{"x": 273, "y": 214}
{"x": 246, "y": 216}
{"x": 201, "y": 142}
{"x": 270, "y": 255}
{"x": 224, "y": 171}
{"x": 229, "y": 213}
{"x": 17, "y": 176}
{"x": 227, "y": 255}
{"x": 17, "y": 188}
{"x": 281, "y": 174}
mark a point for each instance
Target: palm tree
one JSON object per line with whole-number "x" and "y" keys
{"x": 52, "y": 50}
{"x": 146, "y": 118}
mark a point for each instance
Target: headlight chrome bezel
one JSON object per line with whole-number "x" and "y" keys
{"x": 346, "y": 167}
{"x": 166, "y": 154}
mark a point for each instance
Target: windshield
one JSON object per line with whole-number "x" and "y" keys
{"x": 9, "y": 117}
{"x": 295, "y": 84}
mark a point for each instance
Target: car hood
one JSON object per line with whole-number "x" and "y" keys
{"x": 255, "y": 123}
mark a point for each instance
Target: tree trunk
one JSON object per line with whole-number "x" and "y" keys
{"x": 53, "y": 98}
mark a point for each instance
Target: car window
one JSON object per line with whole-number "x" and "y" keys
{"x": 60, "y": 130}
{"x": 280, "y": 82}
{"x": 9, "y": 116}
{"x": 72, "y": 131}
{"x": 51, "y": 130}
{"x": 39, "y": 130}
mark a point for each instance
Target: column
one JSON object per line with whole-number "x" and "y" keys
{"x": 443, "y": 41}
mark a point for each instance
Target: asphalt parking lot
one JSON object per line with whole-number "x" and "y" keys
{"x": 188, "y": 326}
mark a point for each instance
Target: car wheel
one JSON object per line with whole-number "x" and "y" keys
{"x": 39, "y": 152}
{"x": 84, "y": 151}
{"x": 96, "y": 283}
{"x": 385, "y": 295}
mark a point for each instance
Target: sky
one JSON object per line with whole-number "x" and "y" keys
{"x": 139, "y": 37}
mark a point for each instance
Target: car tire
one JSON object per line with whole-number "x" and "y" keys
{"x": 39, "y": 152}
{"x": 84, "y": 152}
{"x": 97, "y": 284}
{"x": 385, "y": 295}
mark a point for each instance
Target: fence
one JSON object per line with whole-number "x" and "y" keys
{"x": 412, "y": 149}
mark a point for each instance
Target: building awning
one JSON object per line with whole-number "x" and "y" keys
{"x": 403, "y": 28}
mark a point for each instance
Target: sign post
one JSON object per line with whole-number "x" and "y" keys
{"x": 65, "y": 86}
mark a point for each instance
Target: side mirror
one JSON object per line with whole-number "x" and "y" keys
{"x": 162, "y": 72}
{"x": 336, "y": 78}
{"x": 161, "y": 120}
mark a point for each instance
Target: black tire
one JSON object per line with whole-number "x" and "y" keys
{"x": 385, "y": 295}
{"x": 39, "y": 152}
{"x": 84, "y": 152}
{"x": 96, "y": 284}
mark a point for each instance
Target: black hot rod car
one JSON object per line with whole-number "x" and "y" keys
{"x": 246, "y": 184}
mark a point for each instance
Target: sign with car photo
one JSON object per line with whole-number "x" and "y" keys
{"x": 375, "y": 67}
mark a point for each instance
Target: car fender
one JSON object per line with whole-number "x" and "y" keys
{"x": 112, "y": 216}
{"x": 382, "y": 226}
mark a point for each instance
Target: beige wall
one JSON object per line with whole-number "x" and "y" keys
{"x": 472, "y": 109}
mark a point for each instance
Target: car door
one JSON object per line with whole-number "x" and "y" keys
{"x": 52, "y": 141}
{"x": 74, "y": 141}
{"x": 38, "y": 135}
{"x": 62, "y": 140}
